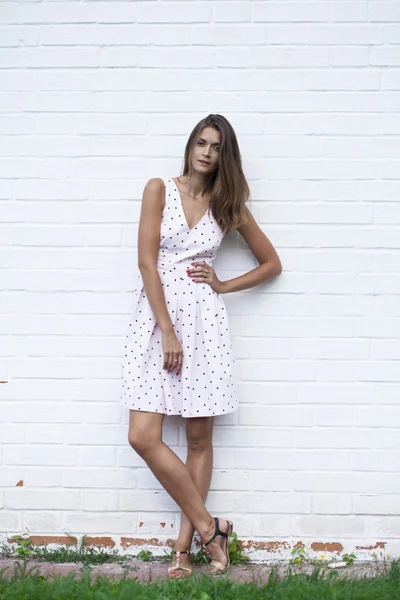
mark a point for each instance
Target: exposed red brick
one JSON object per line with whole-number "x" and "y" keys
{"x": 276, "y": 546}
{"x": 268, "y": 546}
{"x": 141, "y": 523}
{"x": 43, "y": 540}
{"x": 299, "y": 545}
{"x": 20, "y": 483}
{"x": 162, "y": 524}
{"x": 127, "y": 542}
{"x": 375, "y": 547}
{"x": 327, "y": 547}
{"x": 100, "y": 542}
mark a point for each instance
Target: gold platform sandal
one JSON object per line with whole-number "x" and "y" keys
{"x": 216, "y": 567}
{"x": 176, "y": 570}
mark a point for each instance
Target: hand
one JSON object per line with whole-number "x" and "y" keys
{"x": 203, "y": 273}
{"x": 173, "y": 353}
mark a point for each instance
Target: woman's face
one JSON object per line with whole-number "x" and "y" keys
{"x": 205, "y": 152}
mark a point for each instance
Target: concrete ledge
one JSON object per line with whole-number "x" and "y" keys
{"x": 150, "y": 571}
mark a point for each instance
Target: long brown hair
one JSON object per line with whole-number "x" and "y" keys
{"x": 227, "y": 186}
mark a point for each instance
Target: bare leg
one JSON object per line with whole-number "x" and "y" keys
{"x": 145, "y": 436}
{"x": 199, "y": 463}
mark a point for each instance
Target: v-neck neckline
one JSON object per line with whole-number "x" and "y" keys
{"x": 182, "y": 210}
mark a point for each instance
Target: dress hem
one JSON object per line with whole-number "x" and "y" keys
{"x": 179, "y": 414}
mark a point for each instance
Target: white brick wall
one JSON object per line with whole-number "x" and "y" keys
{"x": 95, "y": 98}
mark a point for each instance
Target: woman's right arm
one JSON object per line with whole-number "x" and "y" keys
{"x": 148, "y": 249}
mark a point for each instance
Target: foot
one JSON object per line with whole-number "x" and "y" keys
{"x": 216, "y": 546}
{"x": 181, "y": 565}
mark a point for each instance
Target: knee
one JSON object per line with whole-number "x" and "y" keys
{"x": 199, "y": 439}
{"x": 141, "y": 441}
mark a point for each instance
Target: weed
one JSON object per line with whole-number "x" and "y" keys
{"x": 235, "y": 550}
{"x": 23, "y": 549}
{"x": 299, "y": 554}
{"x": 144, "y": 555}
{"x": 349, "y": 559}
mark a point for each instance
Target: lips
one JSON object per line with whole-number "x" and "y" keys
{"x": 203, "y": 162}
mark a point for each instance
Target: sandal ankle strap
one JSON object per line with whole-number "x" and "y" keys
{"x": 216, "y": 532}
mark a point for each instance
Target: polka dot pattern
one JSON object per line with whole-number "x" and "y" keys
{"x": 206, "y": 385}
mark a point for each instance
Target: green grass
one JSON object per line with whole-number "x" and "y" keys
{"x": 317, "y": 586}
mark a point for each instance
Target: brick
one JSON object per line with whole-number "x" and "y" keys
{"x": 273, "y": 416}
{"x": 383, "y": 11}
{"x": 349, "y": 11}
{"x": 325, "y": 482}
{"x": 386, "y": 526}
{"x": 271, "y": 57}
{"x": 377, "y": 504}
{"x": 54, "y": 454}
{"x": 10, "y": 521}
{"x": 41, "y": 499}
{"x": 231, "y": 12}
{"x": 104, "y": 501}
{"x": 277, "y": 502}
{"x": 35, "y": 477}
{"x": 173, "y": 12}
{"x": 336, "y": 437}
{"x": 36, "y": 522}
{"x": 345, "y": 526}
{"x": 291, "y": 11}
{"x": 83, "y": 522}
{"x": 98, "y": 478}
{"x": 332, "y": 504}
{"x": 346, "y": 34}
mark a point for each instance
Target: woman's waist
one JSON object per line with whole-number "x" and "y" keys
{"x": 180, "y": 266}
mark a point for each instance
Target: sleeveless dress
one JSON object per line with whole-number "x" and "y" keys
{"x": 206, "y": 385}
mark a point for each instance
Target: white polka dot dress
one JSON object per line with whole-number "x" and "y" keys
{"x": 206, "y": 385}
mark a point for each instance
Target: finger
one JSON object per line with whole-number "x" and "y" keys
{"x": 199, "y": 273}
{"x": 171, "y": 361}
{"x": 166, "y": 360}
{"x": 175, "y": 361}
{"x": 201, "y": 279}
{"x": 180, "y": 362}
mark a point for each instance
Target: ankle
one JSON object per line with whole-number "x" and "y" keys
{"x": 207, "y": 530}
{"x": 182, "y": 545}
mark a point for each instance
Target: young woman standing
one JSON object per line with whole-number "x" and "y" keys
{"x": 178, "y": 353}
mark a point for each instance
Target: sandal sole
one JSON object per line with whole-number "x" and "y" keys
{"x": 229, "y": 531}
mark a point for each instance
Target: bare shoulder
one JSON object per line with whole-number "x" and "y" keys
{"x": 155, "y": 184}
{"x": 154, "y": 193}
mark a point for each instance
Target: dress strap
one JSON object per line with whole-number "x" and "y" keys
{"x": 168, "y": 191}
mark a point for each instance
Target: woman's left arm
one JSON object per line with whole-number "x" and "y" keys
{"x": 269, "y": 267}
{"x": 264, "y": 252}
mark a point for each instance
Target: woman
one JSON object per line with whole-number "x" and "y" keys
{"x": 178, "y": 354}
